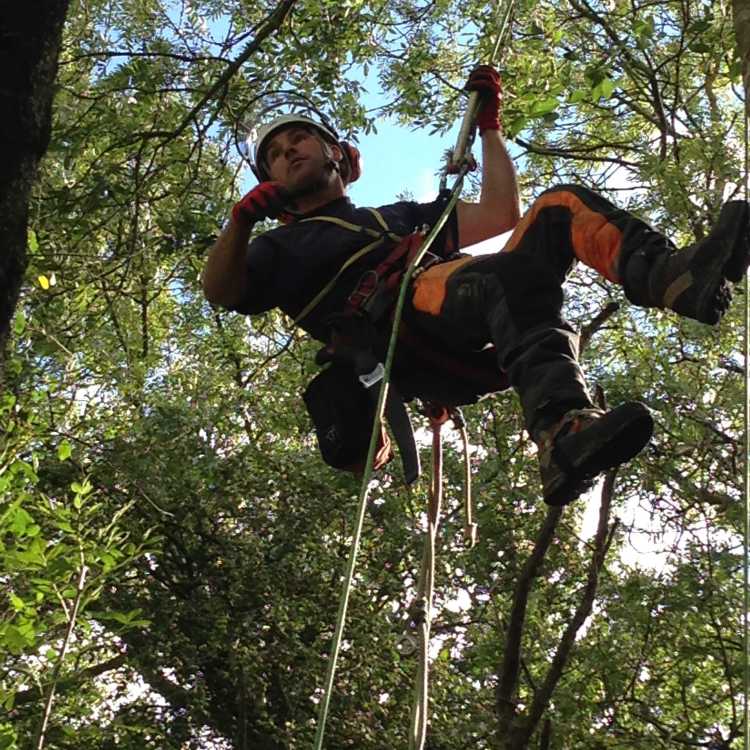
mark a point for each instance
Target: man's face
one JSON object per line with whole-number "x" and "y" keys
{"x": 298, "y": 159}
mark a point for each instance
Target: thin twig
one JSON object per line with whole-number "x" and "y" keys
{"x": 596, "y": 323}
{"x": 80, "y": 588}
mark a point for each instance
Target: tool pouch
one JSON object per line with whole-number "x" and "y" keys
{"x": 342, "y": 414}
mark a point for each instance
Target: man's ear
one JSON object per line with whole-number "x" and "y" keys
{"x": 336, "y": 153}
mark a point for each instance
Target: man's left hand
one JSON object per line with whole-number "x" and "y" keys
{"x": 485, "y": 80}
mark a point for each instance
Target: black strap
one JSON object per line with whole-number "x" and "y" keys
{"x": 351, "y": 345}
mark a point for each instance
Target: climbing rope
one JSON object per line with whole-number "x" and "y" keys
{"x": 422, "y": 611}
{"x": 374, "y": 438}
{"x": 461, "y": 164}
{"x": 746, "y": 565}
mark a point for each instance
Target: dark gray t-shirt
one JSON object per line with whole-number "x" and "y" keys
{"x": 289, "y": 265}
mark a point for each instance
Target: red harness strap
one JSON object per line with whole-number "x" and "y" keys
{"x": 386, "y": 276}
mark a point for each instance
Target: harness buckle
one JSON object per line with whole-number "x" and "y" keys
{"x": 369, "y": 379}
{"x": 366, "y": 285}
{"x": 428, "y": 260}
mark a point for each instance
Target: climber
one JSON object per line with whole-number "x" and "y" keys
{"x": 511, "y": 299}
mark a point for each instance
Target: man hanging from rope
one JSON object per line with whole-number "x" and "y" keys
{"x": 460, "y": 304}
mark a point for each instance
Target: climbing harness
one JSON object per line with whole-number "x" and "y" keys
{"x": 333, "y": 396}
{"x": 379, "y": 238}
{"x": 350, "y": 346}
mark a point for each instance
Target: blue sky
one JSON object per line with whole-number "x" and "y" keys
{"x": 398, "y": 159}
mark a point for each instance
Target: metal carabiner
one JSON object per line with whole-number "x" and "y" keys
{"x": 407, "y": 645}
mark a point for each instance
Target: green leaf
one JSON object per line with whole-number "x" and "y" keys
{"x": 698, "y": 27}
{"x": 14, "y": 639}
{"x": 125, "y": 618}
{"x": 21, "y": 520}
{"x": 81, "y": 489}
{"x": 19, "y": 323}
{"x": 544, "y": 107}
{"x": 8, "y": 736}
{"x": 578, "y": 95}
{"x": 33, "y": 555}
{"x": 644, "y": 30}
{"x": 31, "y": 241}
{"x": 64, "y": 450}
{"x": 17, "y": 602}
{"x": 603, "y": 90}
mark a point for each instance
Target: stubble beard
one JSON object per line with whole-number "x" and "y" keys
{"x": 315, "y": 182}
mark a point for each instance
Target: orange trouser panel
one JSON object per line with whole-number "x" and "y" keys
{"x": 429, "y": 286}
{"x": 596, "y": 242}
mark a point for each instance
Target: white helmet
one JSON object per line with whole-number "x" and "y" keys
{"x": 253, "y": 147}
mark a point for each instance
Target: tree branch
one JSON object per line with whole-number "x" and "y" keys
{"x": 30, "y": 696}
{"x": 596, "y": 323}
{"x": 742, "y": 31}
{"x": 602, "y": 542}
{"x": 512, "y": 653}
{"x": 570, "y": 154}
{"x": 274, "y": 21}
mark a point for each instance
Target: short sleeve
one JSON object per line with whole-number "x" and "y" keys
{"x": 414, "y": 216}
{"x": 260, "y": 266}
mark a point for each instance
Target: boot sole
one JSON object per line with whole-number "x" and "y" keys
{"x": 619, "y": 436}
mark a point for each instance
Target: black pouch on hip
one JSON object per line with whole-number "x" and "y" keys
{"x": 342, "y": 414}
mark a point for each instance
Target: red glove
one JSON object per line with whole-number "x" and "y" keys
{"x": 266, "y": 200}
{"x": 485, "y": 80}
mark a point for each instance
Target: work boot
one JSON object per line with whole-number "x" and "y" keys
{"x": 695, "y": 282}
{"x": 586, "y": 442}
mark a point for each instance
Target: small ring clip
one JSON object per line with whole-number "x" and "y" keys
{"x": 406, "y": 645}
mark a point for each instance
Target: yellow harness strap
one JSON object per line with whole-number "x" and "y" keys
{"x": 380, "y": 238}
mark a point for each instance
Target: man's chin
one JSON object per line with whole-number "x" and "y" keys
{"x": 304, "y": 185}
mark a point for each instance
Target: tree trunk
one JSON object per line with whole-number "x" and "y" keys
{"x": 30, "y": 34}
{"x": 742, "y": 30}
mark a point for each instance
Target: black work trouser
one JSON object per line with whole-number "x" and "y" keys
{"x": 513, "y": 299}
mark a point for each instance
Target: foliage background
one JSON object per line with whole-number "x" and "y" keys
{"x": 171, "y": 543}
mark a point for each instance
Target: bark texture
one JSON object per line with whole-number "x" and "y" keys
{"x": 30, "y": 36}
{"x": 742, "y": 30}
